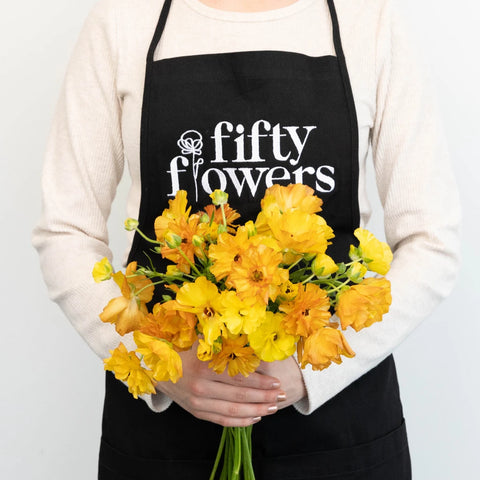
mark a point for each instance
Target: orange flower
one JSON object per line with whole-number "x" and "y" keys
{"x": 172, "y": 324}
{"x": 177, "y": 209}
{"x": 324, "y": 347}
{"x": 126, "y": 366}
{"x": 308, "y": 312}
{"x": 257, "y": 275}
{"x": 279, "y": 199}
{"x": 237, "y": 356}
{"x": 227, "y": 252}
{"x": 364, "y": 304}
{"x": 186, "y": 230}
{"x": 128, "y": 311}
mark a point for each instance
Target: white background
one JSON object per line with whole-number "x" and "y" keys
{"x": 51, "y": 384}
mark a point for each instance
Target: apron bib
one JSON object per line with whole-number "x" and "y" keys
{"x": 241, "y": 122}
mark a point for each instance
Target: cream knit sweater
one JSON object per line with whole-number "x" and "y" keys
{"x": 96, "y": 129}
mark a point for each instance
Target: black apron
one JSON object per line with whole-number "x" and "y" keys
{"x": 241, "y": 122}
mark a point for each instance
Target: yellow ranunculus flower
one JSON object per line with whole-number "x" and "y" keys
{"x": 300, "y": 232}
{"x": 376, "y": 254}
{"x": 240, "y": 316}
{"x": 159, "y": 356}
{"x": 323, "y": 265}
{"x": 204, "y": 351}
{"x": 364, "y": 304}
{"x": 102, "y": 270}
{"x": 270, "y": 341}
{"x": 324, "y": 347}
{"x": 127, "y": 367}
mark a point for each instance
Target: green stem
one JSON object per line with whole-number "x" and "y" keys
{"x": 338, "y": 287}
{"x": 223, "y": 215}
{"x": 311, "y": 277}
{"x": 148, "y": 286}
{"x": 295, "y": 263}
{"x": 147, "y": 238}
{"x": 237, "y": 459}
{"x": 247, "y": 454}
{"x": 194, "y": 268}
{"x": 219, "y": 453}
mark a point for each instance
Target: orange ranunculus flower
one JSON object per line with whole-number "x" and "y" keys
{"x": 177, "y": 209}
{"x": 227, "y": 252}
{"x": 186, "y": 229}
{"x": 230, "y": 214}
{"x": 236, "y": 356}
{"x": 279, "y": 199}
{"x": 159, "y": 356}
{"x": 257, "y": 275}
{"x": 126, "y": 366}
{"x": 324, "y": 347}
{"x": 128, "y": 311}
{"x": 168, "y": 322}
{"x": 364, "y": 304}
{"x": 307, "y": 312}
{"x": 376, "y": 254}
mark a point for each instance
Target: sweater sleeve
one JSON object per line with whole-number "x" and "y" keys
{"x": 421, "y": 209}
{"x": 82, "y": 167}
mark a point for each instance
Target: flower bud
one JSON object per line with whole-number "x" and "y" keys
{"x": 197, "y": 241}
{"x": 251, "y": 229}
{"x": 131, "y": 224}
{"x": 356, "y": 272}
{"x": 204, "y": 218}
{"x": 219, "y": 197}
{"x": 102, "y": 270}
{"x": 173, "y": 240}
{"x": 323, "y": 265}
{"x": 221, "y": 229}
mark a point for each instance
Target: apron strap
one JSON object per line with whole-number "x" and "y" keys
{"x": 352, "y": 112}
{"x": 159, "y": 30}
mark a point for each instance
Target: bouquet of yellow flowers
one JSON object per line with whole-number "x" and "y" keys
{"x": 244, "y": 294}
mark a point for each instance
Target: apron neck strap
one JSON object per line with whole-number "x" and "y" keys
{"x": 159, "y": 30}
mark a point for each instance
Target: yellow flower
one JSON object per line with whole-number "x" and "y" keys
{"x": 177, "y": 209}
{"x": 128, "y": 311}
{"x": 102, "y": 270}
{"x": 270, "y": 341}
{"x": 236, "y": 356}
{"x": 131, "y": 224}
{"x": 159, "y": 356}
{"x": 308, "y": 312}
{"x": 240, "y": 316}
{"x": 257, "y": 275}
{"x": 376, "y": 254}
{"x": 288, "y": 291}
{"x": 324, "y": 347}
{"x": 203, "y": 299}
{"x": 364, "y": 304}
{"x": 300, "y": 232}
{"x": 204, "y": 350}
{"x": 126, "y": 366}
{"x": 323, "y": 265}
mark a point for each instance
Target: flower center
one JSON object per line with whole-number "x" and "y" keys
{"x": 257, "y": 276}
{"x": 209, "y": 312}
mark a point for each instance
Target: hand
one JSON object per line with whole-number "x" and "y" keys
{"x": 228, "y": 401}
{"x": 290, "y": 376}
